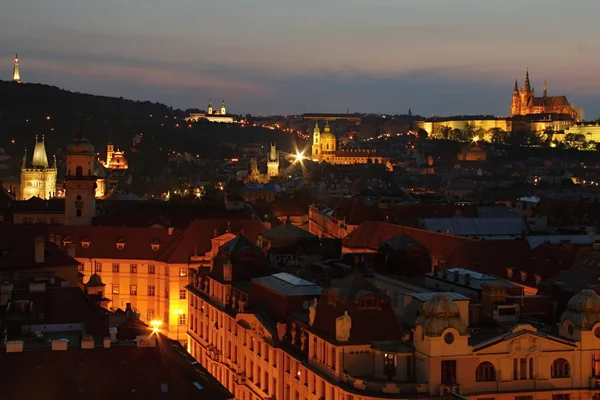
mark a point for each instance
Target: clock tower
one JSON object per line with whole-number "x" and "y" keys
{"x": 80, "y": 183}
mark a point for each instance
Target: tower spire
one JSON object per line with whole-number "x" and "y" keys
{"x": 25, "y": 158}
{"x": 16, "y": 74}
{"x": 545, "y": 88}
{"x": 516, "y": 86}
{"x": 527, "y": 85}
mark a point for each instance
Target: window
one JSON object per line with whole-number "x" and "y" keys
{"x": 181, "y": 319}
{"x": 115, "y": 289}
{"x": 561, "y": 368}
{"x": 183, "y": 271}
{"x": 520, "y": 369}
{"x": 98, "y": 267}
{"x": 448, "y": 372}
{"x": 486, "y": 372}
{"x": 369, "y": 303}
{"x": 150, "y": 314}
{"x": 151, "y": 269}
{"x": 151, "y": 290}
{"x": 133, "y": 268}
{"x": 182, "y": 294}
{"x": 115, "y": 267}
{"x": 78, "y": 212}
{"x": 449, "y": 338}
{"x": 133, "y": 290}
{"x": 80, "y": 267}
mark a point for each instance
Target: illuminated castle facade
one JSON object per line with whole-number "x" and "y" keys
{"x": 524, "y": 102}
{"x": 325, "y": 149}
{"x": 16, "y": 74}
{"x": 38, "y": 178}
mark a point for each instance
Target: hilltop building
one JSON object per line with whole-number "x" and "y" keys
{"x": 325, "y": 149}
{"x": 524, "y": 102}
{"x": 273, "y": 161}
{"x": 38, "y": 178}
{"x": 212, "y": 115}
{"x": 16, "y": 73}
{"x": 115, "y": 159}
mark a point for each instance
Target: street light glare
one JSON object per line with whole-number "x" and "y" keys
{"x": 299, "y": 156}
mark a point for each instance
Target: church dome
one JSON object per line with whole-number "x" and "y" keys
{"x": 438, "y": 314}
{"x": 80, "y": 145}
{"x": 95, "y": 280}
{"x": 583, "y": 310}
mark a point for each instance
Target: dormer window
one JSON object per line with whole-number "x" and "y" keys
{"x": 523, "y": 276}
{"x": 121, "y": 244}
{"x": 85, "y": 243}
{"x": 67, "y": 241}
{"x": 155, "y": 245}
{"x": 509, "y": 273}
{"x": 369, "y": 303}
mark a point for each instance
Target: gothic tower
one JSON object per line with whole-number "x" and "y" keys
{"x": 515, "y": 105}
{"x": 80, "y": 183}
{"x": 316, "y": 147}
{"x": 526, "y": 96}
{"x": 273, "y": 162}
{"x": 209, "y": 109}
{"x": 223, "y": 108}
{"x": 38, "y": 178}
{"x": 16, "y": 74}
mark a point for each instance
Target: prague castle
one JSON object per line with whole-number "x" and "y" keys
{"x": 524, "y": 102}
{"x": 38, "y": 178}
{"x": 325, "y": 149}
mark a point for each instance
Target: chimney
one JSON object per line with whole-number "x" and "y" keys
{"x": 456, "y": 276}
{"x": 6, "y": 289}
{"x": 227, "y": 272}
{"x": 58, "y": 240}
{"x": 14, "y": 346}
{"x": 170, "y": 231}
{"x": 106, "y": 342}
{"x": 467, "y": 279}
{"x": 39, "y": 248}
{"x": 51, "y": 237}
{"x": 128, "y": 309}
{"x": 87, "y": 342}
{"x": 60, "y": 345}
{"x": 71, "y": 250}
{"x": 113, "y": 334}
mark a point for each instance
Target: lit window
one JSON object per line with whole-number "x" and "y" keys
{"x": 183, "y": 271}
{"x": 115, "y": 289}
{"x": 151, "y": 290}
{"x": 115, "y": 267}
{"x": 151, "y": 269}
{"x": 150, "y": 314}
{"x": 98, "y": 267}
{"x": 133, "y": 268}
{"x": 133, "y": 290}
{"x": 182, "y": 319}
{"x": 182, "y": 294}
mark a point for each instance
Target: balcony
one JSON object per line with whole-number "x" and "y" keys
{"x": 375, "y": 386}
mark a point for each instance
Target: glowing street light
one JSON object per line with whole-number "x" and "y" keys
{"x": 299, "y": 156}
{"x": 155, "y": 324}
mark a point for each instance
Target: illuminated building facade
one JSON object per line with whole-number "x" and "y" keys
{"x": 273, "y": 161}
{"x": 80, "y": 182}
{"x": 524, "y": 102}
{"x": 38, "y": 178}
{"x": 115, "y": 159}
{"x": 212, "y": 115}
{"x": 16, "y": 73}
{"x": 325, "y": 149}
{"x": 281, "y": 337}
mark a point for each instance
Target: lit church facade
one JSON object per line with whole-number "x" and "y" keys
{"x": 325, "y": 149}
{"x": 212, "y": 114}
{"x": 38, "y": 177}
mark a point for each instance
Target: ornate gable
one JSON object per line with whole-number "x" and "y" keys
{"x": 523, "y": 344}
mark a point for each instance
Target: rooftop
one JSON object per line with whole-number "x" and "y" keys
{"x": 289, "y": 285}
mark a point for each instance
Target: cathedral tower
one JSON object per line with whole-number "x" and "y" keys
{"x": 273, "y": 162}
{"x": 316, "y": 147}
{"x": 223, "y": 108}
{"x": 110, "y": 150}
{"x": 515, "y": 105}
{"x": 16, "y": 74}
{"x": 80, "y": 183}
{"x": 38, "y": 178}
{"x": 209, "y": 109}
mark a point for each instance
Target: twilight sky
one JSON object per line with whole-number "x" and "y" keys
{"x": 442, "y": 57}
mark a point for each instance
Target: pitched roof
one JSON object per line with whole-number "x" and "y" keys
{"x": 288, "y": 231}
{"x": 477, "y": 226}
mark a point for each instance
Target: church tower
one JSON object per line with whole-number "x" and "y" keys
{"x": 316, "y": 147}
{"x": 16, "y": 74}
{"x": 515, "y": 105}
{"x": 209, "y": 109}
{"x": 223, "y": 108}
{"x": 80, "y": 182}
{"x": 526, "y": 96}
{"x": 273, "y": 162}
{"x": 38, "y": 178}
{"x": 110, "y": 151}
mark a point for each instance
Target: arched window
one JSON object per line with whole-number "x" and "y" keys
{"x": 561, "y": 368}
{"x": 79, "y": 171}
{"x": 486, "y": 372}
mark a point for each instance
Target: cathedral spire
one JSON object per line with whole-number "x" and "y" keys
{"x": 16, "y": 74}
{"x": 545, "y": 88}
{"x": 527, "y": 85}
{"x": 25, "y": 158}
{"x": 516, "y": 86}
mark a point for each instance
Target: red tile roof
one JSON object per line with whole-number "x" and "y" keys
{"x": 372, "y": 234}
{"x": 117, "y": 373}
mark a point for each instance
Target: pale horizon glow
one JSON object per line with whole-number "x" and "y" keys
{"x": 285, "y": 56}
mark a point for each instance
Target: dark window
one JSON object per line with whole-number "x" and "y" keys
{"x": 448, "y": 372}
{"x": 561, "y": 368}
{"x": 79, "y": 171}
{"x": 78, "y": 212}
{"x": 486, "y": 372}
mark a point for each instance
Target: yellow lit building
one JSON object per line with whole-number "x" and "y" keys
{"x": 16, "y": 73}
{"x": 325, "y": 149}
{"x": 434, "y": 128}
{"x": 590, "y": 131}
{"x": 115, "y": 159}
{"x": 212, "y": 115}
{"x": 38, "y": 178}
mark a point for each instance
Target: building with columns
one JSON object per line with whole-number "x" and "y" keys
{"x": 268, "y": 335}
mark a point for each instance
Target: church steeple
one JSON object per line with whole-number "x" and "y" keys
{"x": 209, "y": 109}
{"x": 527, "y": 85}
{"x": 545, "y": 89}
{"x": 516, "y": 90}
{"x": 223, "y": 108}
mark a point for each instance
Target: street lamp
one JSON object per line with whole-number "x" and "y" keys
{"x": 155, "y": 324}
{"x": 178, "y": 313}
